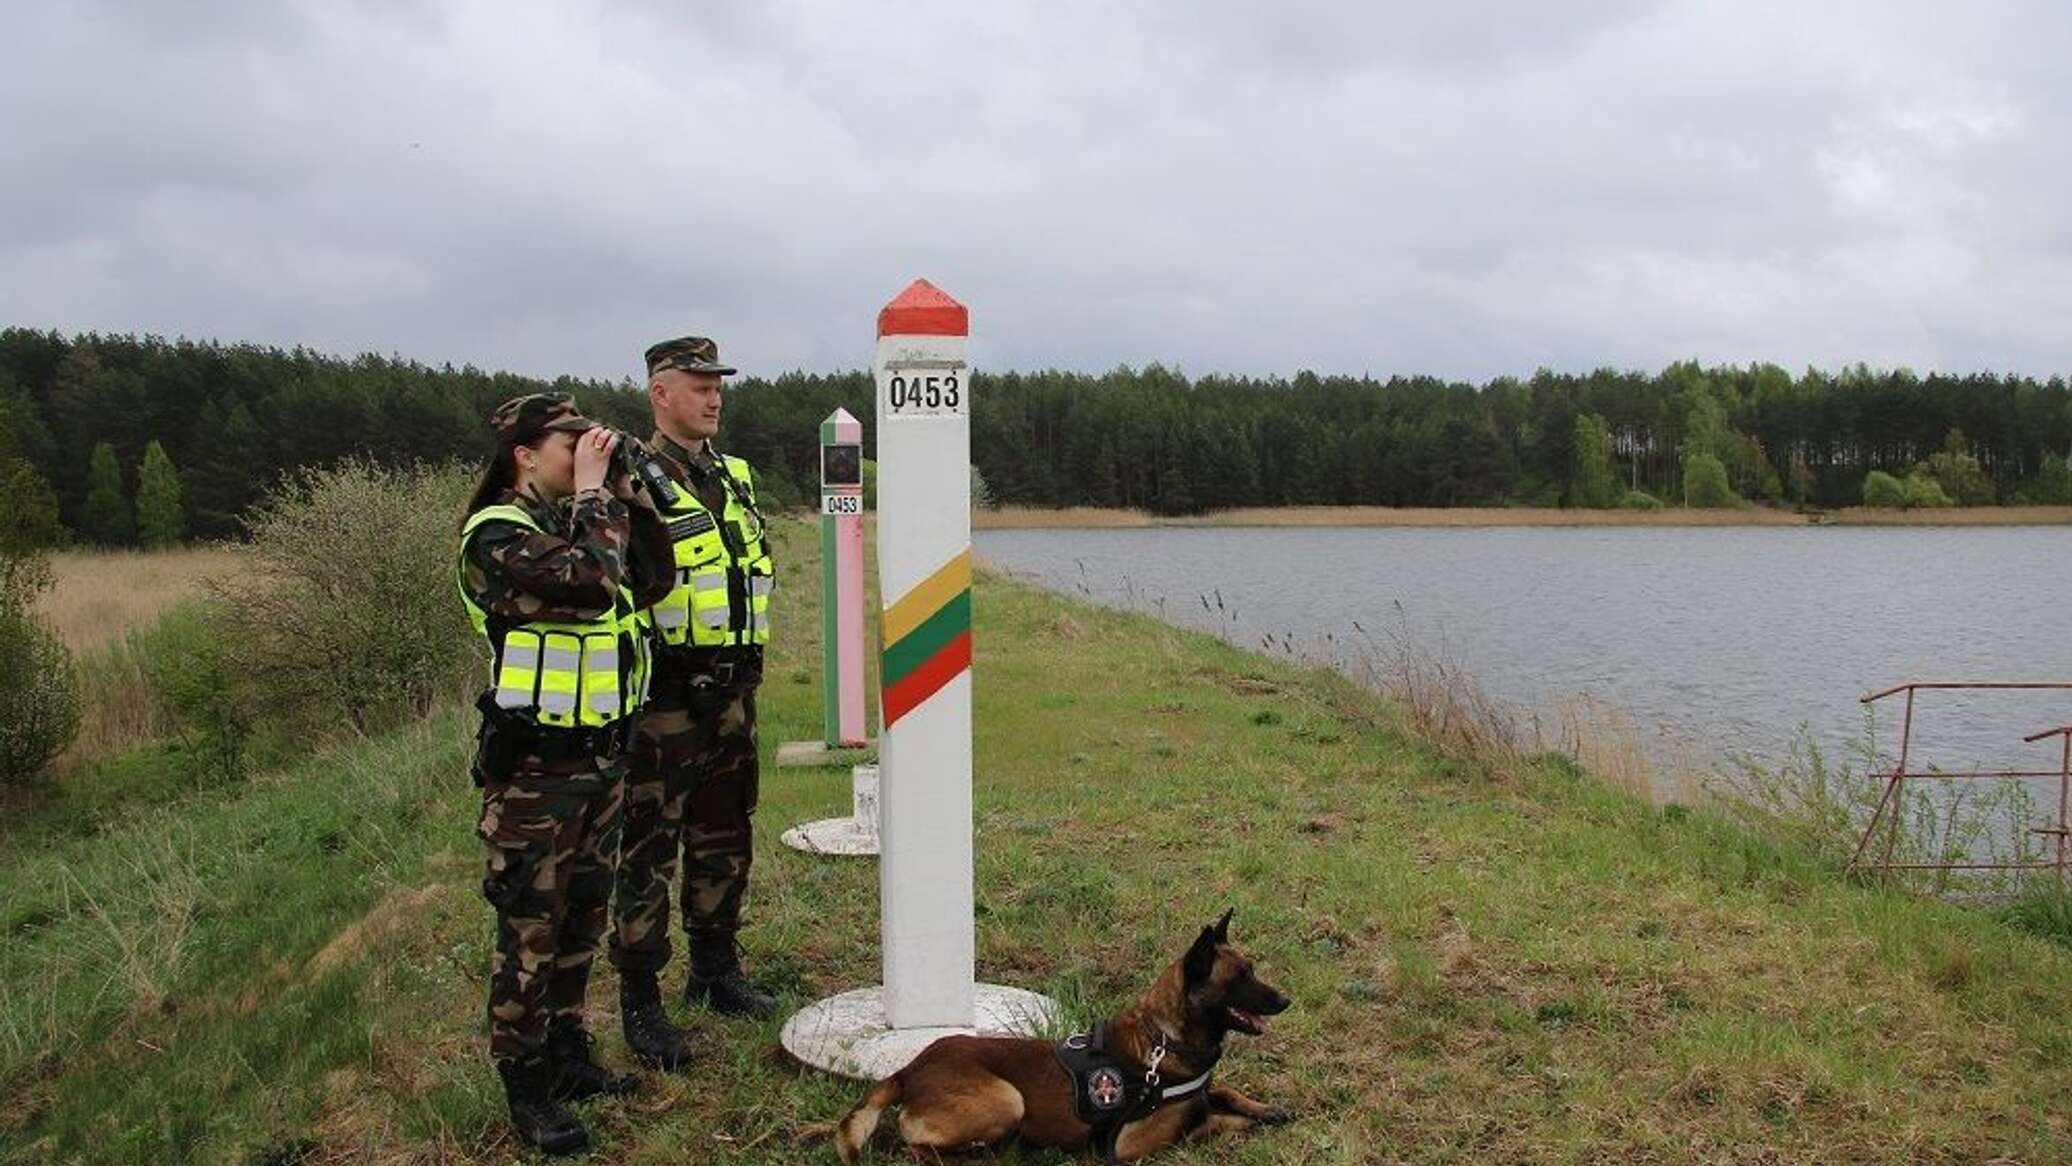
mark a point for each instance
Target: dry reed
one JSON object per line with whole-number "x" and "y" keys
{"x": 101, "y": 594}
{"x": 101, "y": 600}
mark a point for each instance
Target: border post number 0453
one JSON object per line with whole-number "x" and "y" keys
{"x": 926, "y": 392}
{"x": 841, "y": 504}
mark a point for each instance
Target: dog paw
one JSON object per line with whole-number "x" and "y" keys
{"x": 1276, "y": 1115}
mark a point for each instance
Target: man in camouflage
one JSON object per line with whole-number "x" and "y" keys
{"x": 573, "y": 551}
{"x": 692, "y": 780}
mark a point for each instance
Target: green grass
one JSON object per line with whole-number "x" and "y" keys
{"x": 1516, "y": 965}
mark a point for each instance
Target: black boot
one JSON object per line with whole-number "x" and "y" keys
{"x": 537, "y": 1117}
{"x": 646, "y": 1024}
{"x": 716, "y": 981}
{"x": 577, "y": 1075}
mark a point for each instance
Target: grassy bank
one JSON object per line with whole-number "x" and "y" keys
{"x": 1022, "y": 517}
{"x": 1491, "y": 964}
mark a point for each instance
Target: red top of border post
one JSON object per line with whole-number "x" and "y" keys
{"x": 923, "y": 309}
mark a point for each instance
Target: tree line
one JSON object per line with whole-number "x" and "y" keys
{"x": 121, "y": 439}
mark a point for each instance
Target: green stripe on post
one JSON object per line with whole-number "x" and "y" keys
{"x": 916, "y": 647}
{"x": 830, "y": 637}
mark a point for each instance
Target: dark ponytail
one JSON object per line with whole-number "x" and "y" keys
{"x": 498, "y": 474}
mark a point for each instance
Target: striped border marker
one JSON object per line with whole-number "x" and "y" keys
{"x": 841, "y": 580}
{"x": 924, "y": 794}
{"x": 924, "y": 577}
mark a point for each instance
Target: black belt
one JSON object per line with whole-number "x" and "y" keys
{"x": 703, "y": 667}
{"x": 556, "y": 744}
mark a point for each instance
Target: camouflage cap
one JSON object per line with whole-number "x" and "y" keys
{"x": 521, "y": 420}
{"x": 689, "y": 353}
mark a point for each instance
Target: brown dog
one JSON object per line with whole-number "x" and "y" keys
{"x": 1136, "y": 1084}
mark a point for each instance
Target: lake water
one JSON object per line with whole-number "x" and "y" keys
{"x": 1719, "y": 640}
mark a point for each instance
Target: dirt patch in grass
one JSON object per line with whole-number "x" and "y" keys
{"x": 384, "y": 922}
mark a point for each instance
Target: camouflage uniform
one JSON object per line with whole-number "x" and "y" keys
{"x": 692, "y": 772}
{"x": 551, "y": 800}
{"x": 692, "y": 781}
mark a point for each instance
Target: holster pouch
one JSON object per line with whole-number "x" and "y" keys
{"x": 498, "y": 746}
{"x": 508, "y": 888}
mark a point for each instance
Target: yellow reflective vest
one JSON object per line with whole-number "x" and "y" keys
{"x": 564, "y": 675}
{"x": 724, "y": 574}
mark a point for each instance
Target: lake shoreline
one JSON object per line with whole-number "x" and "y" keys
{"x": 1097, "y": 518}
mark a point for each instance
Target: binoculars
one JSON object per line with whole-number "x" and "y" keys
{"x": 643, "y": 467}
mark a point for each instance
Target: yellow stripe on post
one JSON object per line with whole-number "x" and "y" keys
{"x": 927, "y": 597}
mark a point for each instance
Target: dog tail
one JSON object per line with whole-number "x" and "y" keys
{"x": 856, "y": 1130}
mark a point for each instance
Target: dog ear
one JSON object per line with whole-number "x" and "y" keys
{"x": 1201, "y": 958}
{"x": 1223, "y": 925}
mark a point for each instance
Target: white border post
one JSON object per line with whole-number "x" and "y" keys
{"x": 924, "y": 579}
{"x": 925, "y": 877}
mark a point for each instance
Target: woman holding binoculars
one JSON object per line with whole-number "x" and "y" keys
{"x": 560, "y": 553}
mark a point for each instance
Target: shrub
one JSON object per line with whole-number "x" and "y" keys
{"x": 1640, "y": 500}
{"x": 1882, "y": 489}
{"x": 1923, "y": 490}
{"x": 186, "y": 657}
{"x": 349, "y": 616}
{"x": 40, "y": 712}
{"x": 1956, "y": 470}
{"x": 2053, "y": 483}
{"x": 1705, "y": 483}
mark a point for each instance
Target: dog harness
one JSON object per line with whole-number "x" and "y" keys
{"x": 1109, "y": 1093}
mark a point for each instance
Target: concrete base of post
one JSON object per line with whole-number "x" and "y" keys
{"x": 821, "y": 755}
{"x": 855, "y": 834}
{"x": 833, "y": 836}
{"x": 847, "y": 1034}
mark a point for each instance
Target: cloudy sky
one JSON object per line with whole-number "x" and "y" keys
{"x": 1464, "y": 189}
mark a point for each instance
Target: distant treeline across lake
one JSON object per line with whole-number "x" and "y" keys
{"x": 78, "y": 414}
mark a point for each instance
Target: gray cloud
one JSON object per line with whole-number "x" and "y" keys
{"x": 1467, "y": 191}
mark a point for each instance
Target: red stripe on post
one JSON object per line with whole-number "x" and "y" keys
{"x": 924, "y": 309}
{"x": 927, "y": 679}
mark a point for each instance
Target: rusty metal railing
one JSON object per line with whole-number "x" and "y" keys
{"x": 1890, "y": 804}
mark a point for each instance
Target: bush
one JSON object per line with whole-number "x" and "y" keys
{"x": 1923, "y": 490}
{"x": 1957, "y": 473}
{"x": 2053, "y": 482}
{"x": 350, "y": 615}
{"x": 1705, "y": 483}
{"x": 186, "y": 657}
{"x": 1640, "y": 500}
{"x": 40, "y": 713}
{"x": 1882, "y": 489}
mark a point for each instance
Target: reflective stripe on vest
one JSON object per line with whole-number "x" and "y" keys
{"x": 567, "y": 675}
{"x": 698, "y": 611}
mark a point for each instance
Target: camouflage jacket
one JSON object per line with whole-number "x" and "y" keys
{"x": 569, "y": 570}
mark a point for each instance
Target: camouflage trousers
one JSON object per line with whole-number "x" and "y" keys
{"x": 691, "y": 787}
{"x": 551, "y": 840}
